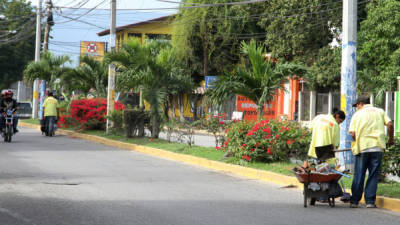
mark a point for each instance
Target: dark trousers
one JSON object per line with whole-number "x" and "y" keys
{"x": 363, "y": 161}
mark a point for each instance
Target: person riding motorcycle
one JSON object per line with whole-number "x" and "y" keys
{"x": 8, "y": 103}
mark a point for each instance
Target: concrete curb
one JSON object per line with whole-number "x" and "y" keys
{"x": 382, "y": 202}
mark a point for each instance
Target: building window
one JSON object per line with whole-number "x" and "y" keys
{"x": 135, "y": 35}
{"x": 158, "y": 37}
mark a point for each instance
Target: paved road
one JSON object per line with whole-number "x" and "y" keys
{"x": 62, "y": 180}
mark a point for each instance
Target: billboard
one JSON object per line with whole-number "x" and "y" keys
{"x": 93, "y": 49}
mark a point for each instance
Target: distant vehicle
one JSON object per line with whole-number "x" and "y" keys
{"x": 25, "y": 110}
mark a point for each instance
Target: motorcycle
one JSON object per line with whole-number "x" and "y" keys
{"x": 9, "y": 127}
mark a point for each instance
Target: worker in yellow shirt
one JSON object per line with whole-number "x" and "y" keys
{"x": 325, "y": 134}
{"x": 368, "y": 130}
{"x": 50, "y": 113}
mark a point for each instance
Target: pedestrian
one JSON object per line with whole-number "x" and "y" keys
{"x": 367, "y": 128}
{"x": 325, "y": 134}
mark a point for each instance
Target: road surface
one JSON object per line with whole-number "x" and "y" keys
{"x": 64, "y": 180}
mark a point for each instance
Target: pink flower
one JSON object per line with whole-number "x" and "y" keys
{"x": 244, "y": 145}
{"x": 252, "y": 149}
{"x": 217, "y": 148}
{"x": 269, "y": 152}
{"x": 222, "y": 122}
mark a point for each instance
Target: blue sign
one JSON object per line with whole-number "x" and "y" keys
{"x": 210, "y": 80}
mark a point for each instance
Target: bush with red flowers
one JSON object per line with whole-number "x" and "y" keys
{"x": 267, "y": 141}
{"x": 87, "y": 113}
{"x": 215, "y": 125}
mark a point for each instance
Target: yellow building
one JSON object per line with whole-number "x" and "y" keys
{"x": 155, "y": 29}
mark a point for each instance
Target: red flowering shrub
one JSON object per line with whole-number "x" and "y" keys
{"x": 267, "y": 141}
{"x": 88, "y": 113}
{"x": 215, "y": 125}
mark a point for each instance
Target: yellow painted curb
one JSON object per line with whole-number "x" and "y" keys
{"x": 382, "y": 202}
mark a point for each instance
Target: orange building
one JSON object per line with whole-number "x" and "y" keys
{"x": 283, "y": 107}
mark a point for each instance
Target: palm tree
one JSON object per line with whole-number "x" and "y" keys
{"x": 50, "y": 68}
{"x": 151, "y": 68}
{"x": 258, "y": 81}
{"x": 91, "y": 74}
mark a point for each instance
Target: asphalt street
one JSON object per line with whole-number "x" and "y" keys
{"x": 64, "y": 180}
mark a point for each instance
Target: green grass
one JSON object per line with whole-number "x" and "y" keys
{"x": 389, "y": 189}
{"x": 32, "y": 121}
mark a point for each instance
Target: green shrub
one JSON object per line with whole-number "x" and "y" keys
{"x": 135, "y": 121}
{"x": 268, "y": 141}
{"x": 216, "y": 125}
{"x": 391, "y": 159}
{"x": 116, "y": 118}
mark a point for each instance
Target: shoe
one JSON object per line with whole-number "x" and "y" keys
{"x": 353, "y": 205}
{"x": 370, "y": 206}
{"x": 16, "y": 130}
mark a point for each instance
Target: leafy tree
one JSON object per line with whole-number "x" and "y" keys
{"x": 379, "y": 48}
{"x": 298, "y": 29}
{"x": 208, "y": 39}
{"x": 325, "y": 72}
{"x": 50, "y": 68}
{"x": 17, "y": 39}
{"x": 258, "y": 80}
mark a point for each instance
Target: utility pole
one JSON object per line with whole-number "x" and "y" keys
{"x": 49, "y": 24}
{"x": 35, "y": 99}
{"x": 111, "y": 67}
{"x": 348, "y": 76}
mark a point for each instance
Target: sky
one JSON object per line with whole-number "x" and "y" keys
{"x": 66, "y": 34}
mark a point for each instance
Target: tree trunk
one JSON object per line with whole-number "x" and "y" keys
{"x": 172, "y": 105}
{"x": 260, "y": 110}
{"x": 155, "y": 131}
{"x": 181, "y": 102}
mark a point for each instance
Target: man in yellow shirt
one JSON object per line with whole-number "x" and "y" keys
{"x": 50, "y": 112}
{"x": 368, "y": 130}
{"x": 325, "y": 133}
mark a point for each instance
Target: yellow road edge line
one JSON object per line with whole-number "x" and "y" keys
{"x": 382, "y": 202}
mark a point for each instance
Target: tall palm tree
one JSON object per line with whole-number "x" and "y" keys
{"x": 91, "y": 74}
{"x": 259, "y": 80}
{"x": 50, "y": 68}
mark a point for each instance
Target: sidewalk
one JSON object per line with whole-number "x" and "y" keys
{"x": 382, "y": 202}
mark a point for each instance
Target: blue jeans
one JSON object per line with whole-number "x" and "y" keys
{"x": 363, "y": 161}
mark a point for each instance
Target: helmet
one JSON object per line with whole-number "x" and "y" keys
{"x": 10, "y": 93}
{"x": 3, "y": 93}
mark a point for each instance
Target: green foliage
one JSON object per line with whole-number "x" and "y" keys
{"x": 116, "y": 118}
{"x": 135, "y": 121}
{"x": 16, "y": 50}
{"x": 90, "y": 76}
{"x": 50, "y": 68}
{"x": 298, "y": 29}
{"x": 391, "y": 159}
{"x": 151, "y": 67}
{"x": 258, "y": 79}
{"x": 267, "y": 141}
{"x": 379, "y": 48}
{"x": 216, "y": 125}
{"x": 325, "y": 72}
{"x": 210, "y": 37}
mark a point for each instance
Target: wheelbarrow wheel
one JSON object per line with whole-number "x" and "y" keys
{"x": 305, "y": 196}
{"x": 331, "y": 202}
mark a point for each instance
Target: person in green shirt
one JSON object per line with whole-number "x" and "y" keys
{"x": 50, "y": 110}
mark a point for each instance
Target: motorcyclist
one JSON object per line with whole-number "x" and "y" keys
{"x": 8, "y": 103}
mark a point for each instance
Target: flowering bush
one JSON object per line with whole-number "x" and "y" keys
{"x": 216, "y": 125}
{"x": 88, "y": 113}
{"x": 267, "y": 141}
